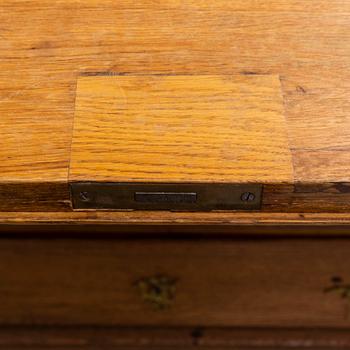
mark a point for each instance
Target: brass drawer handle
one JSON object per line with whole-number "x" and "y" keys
{"x": 158, "y": 291}
{"x": 339, "y": 286}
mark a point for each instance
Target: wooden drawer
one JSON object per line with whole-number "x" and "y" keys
{"x": 214, "y": 283}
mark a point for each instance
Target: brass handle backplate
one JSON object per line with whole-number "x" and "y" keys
{"x": 339, "y": 286}
{"x": 158, "y": 291}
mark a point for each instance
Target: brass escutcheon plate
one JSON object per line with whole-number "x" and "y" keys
{"x": 176, "y": 197}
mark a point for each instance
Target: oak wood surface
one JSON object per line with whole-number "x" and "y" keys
{"x": 277, "y": 283}
{"x": 167, "y": 224}
{"x": 45, "y": 46}
{"x": 194, "y": 128}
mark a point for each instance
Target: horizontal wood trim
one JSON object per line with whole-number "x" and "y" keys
{"x": 93, "y": 338}
{"x": 25, "y": 198}
{"x": 177, "y": 220}
{"x": 34, "y": 197}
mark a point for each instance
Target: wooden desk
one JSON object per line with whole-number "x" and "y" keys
{"x": 59, "y": 293}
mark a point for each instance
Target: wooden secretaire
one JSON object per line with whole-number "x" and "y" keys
{"x": 174, "y": 174}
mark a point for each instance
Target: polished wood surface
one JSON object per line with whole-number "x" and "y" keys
{"x": 243, "y": 283}
{"x": 45, "y": 46}
{"x": 173, "y": 129}
{"x": 250, "y": 287}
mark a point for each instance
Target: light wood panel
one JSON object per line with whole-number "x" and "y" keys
{"x": 44, "y": 46}
{"x": 194, "y": 128}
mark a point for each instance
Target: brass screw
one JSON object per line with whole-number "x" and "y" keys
{"x": 84, "y": 196}
{"x": 338, "y": 286}
{"x": 247, "y": 196}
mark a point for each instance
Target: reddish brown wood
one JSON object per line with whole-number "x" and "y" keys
{"x": 107, "y": 338}
{"x": 228, "y": 283}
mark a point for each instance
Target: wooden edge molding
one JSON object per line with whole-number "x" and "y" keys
{"x": 54, "y": 198}
{"x": 34, "y": 197}
{"x": 184, "y": 338}
{"x": 160, "y": 223}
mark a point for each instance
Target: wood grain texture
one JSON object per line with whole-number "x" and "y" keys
{"x": 277, "y": 283}
{"x": 307, "y": 197}
{"x": 34, "y": 197}
{"x": 174, "y": 222}
{"x": 180, "y": 129}
{"x": 136, "y": 338}
{"x": 44, "y": 47}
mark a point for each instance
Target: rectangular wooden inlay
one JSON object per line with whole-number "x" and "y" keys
{"x": 180, "y": 130}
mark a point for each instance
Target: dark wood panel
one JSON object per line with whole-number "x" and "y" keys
{"x": 40, "y": 63}
{"x": 217, "y": 283}
{"x": 34, "y": 197}
{"x": 107, "y": 338}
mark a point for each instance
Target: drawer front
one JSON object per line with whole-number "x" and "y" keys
{"x": 175, "y": 283}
